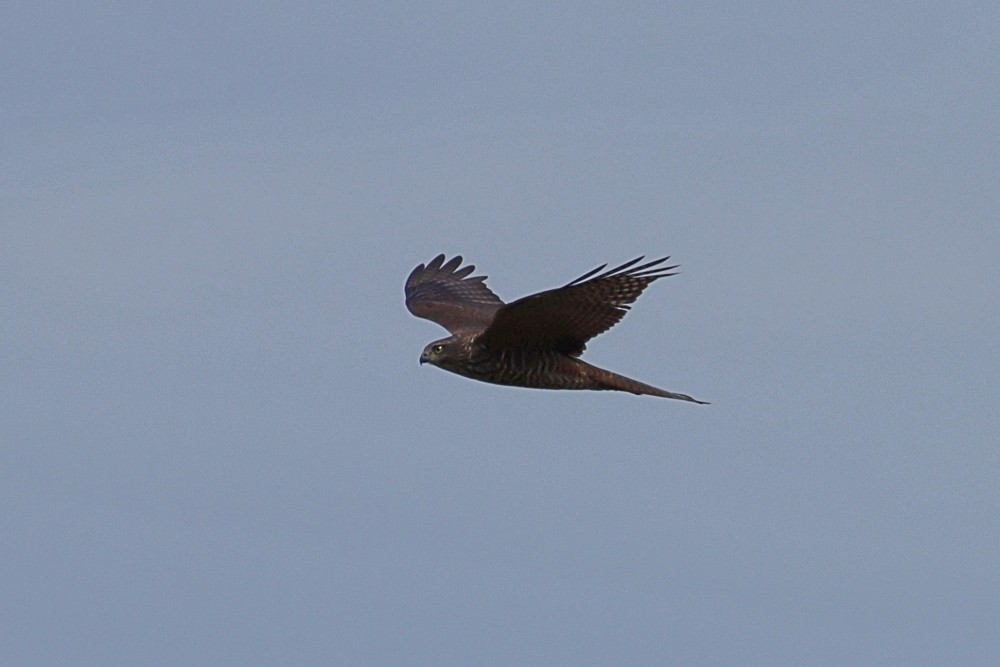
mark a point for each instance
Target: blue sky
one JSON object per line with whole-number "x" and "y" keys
{"x": 218, "y": 445}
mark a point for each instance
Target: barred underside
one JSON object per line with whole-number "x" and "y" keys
{"x": 541, "y": 369}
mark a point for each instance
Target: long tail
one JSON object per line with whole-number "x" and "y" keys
{"x": 604, "y": 379}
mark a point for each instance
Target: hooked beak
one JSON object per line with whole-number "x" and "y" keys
{"x": 423, "y": 358}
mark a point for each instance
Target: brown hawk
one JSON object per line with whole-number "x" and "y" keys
{"x": 534, "y": 341}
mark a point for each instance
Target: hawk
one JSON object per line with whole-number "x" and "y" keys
{"x": 535, "y": 341}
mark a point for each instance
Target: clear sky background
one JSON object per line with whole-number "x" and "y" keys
{"x": 218, "y": 446}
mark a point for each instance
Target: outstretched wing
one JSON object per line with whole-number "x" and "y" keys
{"x": 442, "y": 292}
{"x": 565, "y": 318}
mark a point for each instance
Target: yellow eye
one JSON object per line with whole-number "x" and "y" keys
{"x": 437, "y": 349}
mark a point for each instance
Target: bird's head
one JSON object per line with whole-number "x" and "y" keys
{"x": 439, "y": 352}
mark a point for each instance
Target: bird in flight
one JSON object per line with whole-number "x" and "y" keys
{"x": 535, "y": 341}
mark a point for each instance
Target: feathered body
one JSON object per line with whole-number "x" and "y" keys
{"x": 535, "y": 341}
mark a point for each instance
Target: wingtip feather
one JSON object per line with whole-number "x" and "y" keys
{"x": 452, "y": 264}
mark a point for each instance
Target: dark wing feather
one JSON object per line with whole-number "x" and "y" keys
{"x": 565, "y": 318}
{"x": 443, "y": 293}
